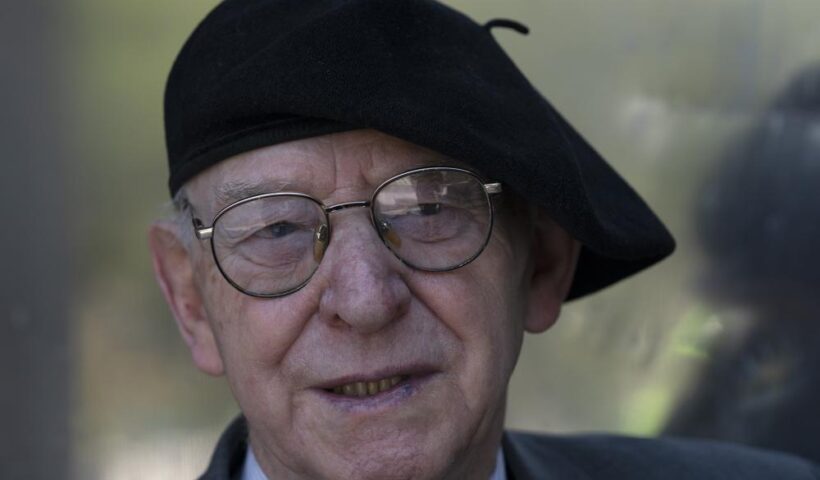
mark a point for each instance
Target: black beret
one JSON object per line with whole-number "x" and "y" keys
{"x": 259, "y": 72}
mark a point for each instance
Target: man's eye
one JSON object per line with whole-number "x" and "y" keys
{"x": 279, "y": 230}
{"x": 427, "y": 209}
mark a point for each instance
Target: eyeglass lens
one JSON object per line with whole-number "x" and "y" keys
{"x": 431, "y": 219}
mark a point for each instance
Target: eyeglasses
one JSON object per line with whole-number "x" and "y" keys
{"x": 433, "y": 219}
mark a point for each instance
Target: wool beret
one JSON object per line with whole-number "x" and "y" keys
{"x": 259, "y": 72}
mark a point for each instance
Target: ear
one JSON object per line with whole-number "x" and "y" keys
{"x": 555, "y": 256}
{"x": 174, "y": 271}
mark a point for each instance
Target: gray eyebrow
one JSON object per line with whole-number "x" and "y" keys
{"x": 230, "y": 192}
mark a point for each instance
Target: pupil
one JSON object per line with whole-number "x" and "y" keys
{"x": 429, "y": 208}
{"x": 281, "y": 229}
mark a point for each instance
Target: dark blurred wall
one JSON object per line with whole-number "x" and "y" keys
{"x": 34, "y": 283}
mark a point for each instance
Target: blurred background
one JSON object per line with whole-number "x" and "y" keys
{"x": 709, "y": 108}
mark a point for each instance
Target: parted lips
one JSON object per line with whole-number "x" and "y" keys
{"x": 259, "y": 72}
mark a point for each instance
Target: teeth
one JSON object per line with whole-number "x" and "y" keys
{"x": 364, "y": 389}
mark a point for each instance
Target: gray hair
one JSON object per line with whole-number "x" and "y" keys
{"x": 180, "y": 215}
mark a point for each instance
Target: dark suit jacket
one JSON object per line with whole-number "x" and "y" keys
{"x": 545, "y": 457}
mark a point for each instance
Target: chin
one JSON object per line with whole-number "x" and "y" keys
{"x": 399, "y": 465}
{"x": 381, "y": 454}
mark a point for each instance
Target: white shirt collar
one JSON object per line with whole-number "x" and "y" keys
{"x": 252, "y": 471}
{"x": 500, "y": 472}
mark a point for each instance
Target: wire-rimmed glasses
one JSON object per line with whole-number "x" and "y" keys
{"x": 433, "y": 219}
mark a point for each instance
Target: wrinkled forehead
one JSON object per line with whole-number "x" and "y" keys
{"x": 332, "y": 168}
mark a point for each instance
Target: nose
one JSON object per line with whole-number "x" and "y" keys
{"x": 364, "y": 289}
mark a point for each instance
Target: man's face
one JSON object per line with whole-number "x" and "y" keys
{"x": 452, "y": 338}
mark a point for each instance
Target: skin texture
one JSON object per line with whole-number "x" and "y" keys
{"x": 363, "y": 314}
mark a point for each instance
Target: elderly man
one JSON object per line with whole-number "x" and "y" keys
{"x": 374, "y": 206}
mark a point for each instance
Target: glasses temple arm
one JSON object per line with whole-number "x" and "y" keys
{"x": 492, "y": 188}
{"x": 202, "y": 232}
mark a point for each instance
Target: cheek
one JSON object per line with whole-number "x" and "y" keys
{"x": 255, "y": 337}
{"x": 253, "y": 334}
{"x": 483, "y": 308}
{"x": 491, "y": 295}
{"x": 493, "y": 289}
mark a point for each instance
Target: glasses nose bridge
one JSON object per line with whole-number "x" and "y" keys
{"x": 345, "y": 205}
{"x": 325, "y": 237}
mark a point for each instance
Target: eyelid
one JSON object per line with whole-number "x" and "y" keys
{"x": 237, "y": 233}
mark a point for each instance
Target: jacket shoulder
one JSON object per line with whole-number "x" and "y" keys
{"x": 615, "y": 457}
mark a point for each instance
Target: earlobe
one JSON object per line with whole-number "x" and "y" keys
{"x": 555, "y": 256}
{"x": 174, "y": 271}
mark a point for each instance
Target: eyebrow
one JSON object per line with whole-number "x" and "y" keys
{"x": 231, "y": 192}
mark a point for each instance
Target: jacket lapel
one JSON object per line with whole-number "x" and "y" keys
{"x": 229, "y": 455}
{"x": 528, "y": 457}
